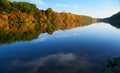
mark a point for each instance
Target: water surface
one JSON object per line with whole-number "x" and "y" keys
{"x": 77, "y": 50}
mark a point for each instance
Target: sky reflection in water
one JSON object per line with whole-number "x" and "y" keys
{"x": 79, "y": 50}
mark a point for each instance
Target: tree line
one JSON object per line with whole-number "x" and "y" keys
{"x": 114, "y": 20}
{"x": 23, "y": 20}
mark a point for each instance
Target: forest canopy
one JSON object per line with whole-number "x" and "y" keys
{"x": 7, "y": 6}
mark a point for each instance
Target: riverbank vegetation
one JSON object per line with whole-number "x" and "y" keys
{"x": 20, "y": 20}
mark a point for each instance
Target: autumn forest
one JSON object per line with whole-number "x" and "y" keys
{"x": 23, "y": 21}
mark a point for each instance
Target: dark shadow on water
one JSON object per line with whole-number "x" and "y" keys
{"x": 115, "y": 25}
{"x": 114, "y": 64}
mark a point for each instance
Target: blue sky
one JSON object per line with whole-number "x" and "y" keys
{"x": 94, "y": 8}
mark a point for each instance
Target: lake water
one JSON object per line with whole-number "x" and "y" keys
{"x": 77, "y": 50}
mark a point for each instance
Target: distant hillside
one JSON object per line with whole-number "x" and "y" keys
{"x": 113, "y": 20}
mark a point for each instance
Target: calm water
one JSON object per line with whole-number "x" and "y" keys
{"x": 78, "y": 50}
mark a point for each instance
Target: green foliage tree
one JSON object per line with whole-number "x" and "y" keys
{"x": 23, "y": 7}
{"x": 5, "y": 5}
